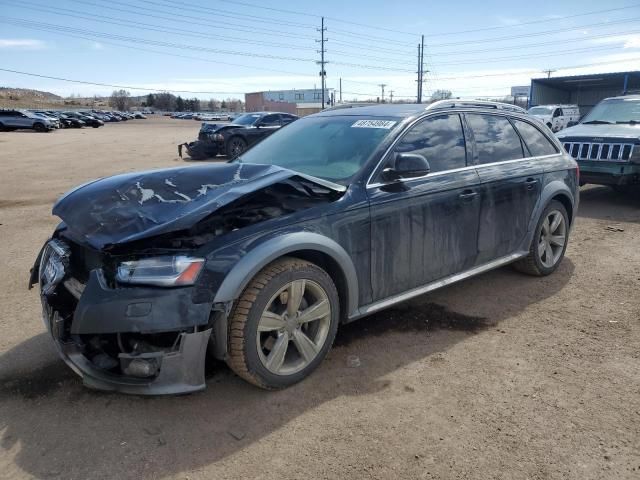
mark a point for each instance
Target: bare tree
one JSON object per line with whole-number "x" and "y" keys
{"x": 120, "y": 100}
{"x": 441, "y": 95}
{"x": 213, "y": 105}
{"x": 164, "y": 101}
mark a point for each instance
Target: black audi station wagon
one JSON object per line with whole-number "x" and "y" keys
{"x": 259, "y": 261}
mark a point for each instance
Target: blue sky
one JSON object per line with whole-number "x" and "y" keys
{"x": 224, "y": 48}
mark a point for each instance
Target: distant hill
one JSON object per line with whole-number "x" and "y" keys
{"x": 27, "y": 98}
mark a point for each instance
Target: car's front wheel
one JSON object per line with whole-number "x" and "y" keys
{"x": 39, "y": 127}
{"x": 549, "y": 242}
{"x": 283, "y": 324}
{"x": 236, "y": 146}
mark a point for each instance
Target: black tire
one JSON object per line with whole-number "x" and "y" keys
{"x": 2, "y": 129}
{"x": 39, "y": 127}
{"x": 95, "y": 126}
{"x": 533, "y": 264}
{"x": 244, "y": 357}
{"x": 236, "y": 146}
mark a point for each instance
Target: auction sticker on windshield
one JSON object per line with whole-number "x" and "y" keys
{"x": 386, "y": 124}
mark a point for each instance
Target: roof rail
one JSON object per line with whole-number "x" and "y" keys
{"x": 475, "y": 104}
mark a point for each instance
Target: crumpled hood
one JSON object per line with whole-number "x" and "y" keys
{"x": 622, "y": 131}
{"x": 132, "y": 206}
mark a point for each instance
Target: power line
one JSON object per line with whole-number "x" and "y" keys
{"x": 534, "y": 55}
{"x": 193, "y": 20}
{"x": 50, "y": 26}
{"x": 529, "y": 72}
{"x": 116, "y": 86}
{"x": 225, "y": 13}
{"x": 533, "y": 45}
{"x": 535, "y": 34}
{"x": 155, "y": 27}
{"x": 404, "y": 32}
{"x": 545, "y": 20}
{"x": 189, "y": 57}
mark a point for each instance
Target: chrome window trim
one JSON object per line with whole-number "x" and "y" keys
{"x": 461, "y": 169}
{"x": 507, "y": 114}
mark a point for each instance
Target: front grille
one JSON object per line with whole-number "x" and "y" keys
{"x": 599, "y": 151}
{"x": 83, "y": 260}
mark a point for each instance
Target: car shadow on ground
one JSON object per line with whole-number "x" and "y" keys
{"x": 604, "y": 203}
{"x": 50, "y": 421}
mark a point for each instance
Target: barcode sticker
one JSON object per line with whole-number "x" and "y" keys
{"x": 386, "y": 124}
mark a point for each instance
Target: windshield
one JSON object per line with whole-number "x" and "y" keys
{"x": 332, "y": 148}
{"x": 540, "y": 111}
{"x": 246, "y": 119}
{"x": 618, "y": 110}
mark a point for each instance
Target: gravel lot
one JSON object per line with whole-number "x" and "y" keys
{"x": 502, "y": 376}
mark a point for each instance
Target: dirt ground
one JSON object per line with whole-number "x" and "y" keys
{"x": 503, "y": 376}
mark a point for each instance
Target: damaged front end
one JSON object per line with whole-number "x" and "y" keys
{"x": 139, "y": 340}
{"x": 128, "y": 280}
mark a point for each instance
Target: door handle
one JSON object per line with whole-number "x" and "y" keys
{"x": 468, "y": 195}
{"x": 530, "y": 183}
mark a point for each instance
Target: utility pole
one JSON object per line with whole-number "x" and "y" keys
{"x": 549, "y": 72}
{"x": 382, "y": 85}
{"x": 340, "y": 89}
{"x": 390, "y": 96}
{"x": 419, "y": 94}
{"x": 421, "y": 67}
{"x": 323, "y": 73}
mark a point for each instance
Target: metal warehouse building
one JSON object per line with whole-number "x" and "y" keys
{"x": 582, "y": 90}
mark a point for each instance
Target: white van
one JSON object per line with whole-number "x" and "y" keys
{"x": 556, "y": 117}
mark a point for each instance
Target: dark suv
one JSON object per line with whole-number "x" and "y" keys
{"x": 606, "y": 143}
{"x": 233, "y": 139}
{"x": 259, "y": 260}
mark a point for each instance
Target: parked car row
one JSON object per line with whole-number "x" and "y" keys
{"x": 47, "y": 120}
{"x": 202, "y": 116}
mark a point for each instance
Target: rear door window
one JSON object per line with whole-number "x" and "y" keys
{"x": 496, "y": 140}
{"x": 535, "y": 140}
{"x": 270, "y": 121}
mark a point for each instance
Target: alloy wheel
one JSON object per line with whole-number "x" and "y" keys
{"x": 553, "y": 236}
{"x": 294, "y": 327}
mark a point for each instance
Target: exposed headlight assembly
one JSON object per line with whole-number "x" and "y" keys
{"x": 165, "y": 271}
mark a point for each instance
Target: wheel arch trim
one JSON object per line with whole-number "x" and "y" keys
{"x": 259, "y": 257}
{"x": 552, "y": 190}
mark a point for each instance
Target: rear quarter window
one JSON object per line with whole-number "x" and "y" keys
{"x": 496, "y": 140}
{"x": 537, "y": 143}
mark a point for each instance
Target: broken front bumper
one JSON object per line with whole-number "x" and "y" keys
{"x": 76, "y": 314}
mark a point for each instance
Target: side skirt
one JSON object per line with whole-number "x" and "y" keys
{"x": 414, "y": 292}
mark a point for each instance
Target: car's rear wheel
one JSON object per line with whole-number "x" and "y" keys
{"x": 236, "y": 146}
{"x": 39, "y": 127}
{"x": 2, "y": 129}
{"x": 549, "y": 242}
{"x": 283, "y": 324}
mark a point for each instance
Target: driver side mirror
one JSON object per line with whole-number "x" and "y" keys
{"x": 406, "y": 165}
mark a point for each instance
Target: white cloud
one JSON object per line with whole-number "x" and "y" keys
{"x": 628, "y": 41}
{"x": 97, "y": 46}
{"x": 24, "y": 44}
